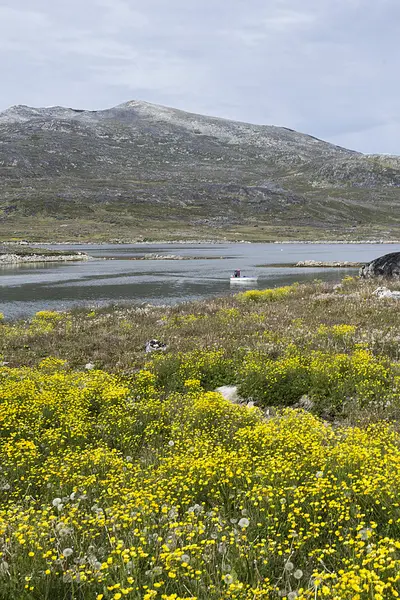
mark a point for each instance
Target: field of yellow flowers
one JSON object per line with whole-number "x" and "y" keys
{"x": 146, "y": 484}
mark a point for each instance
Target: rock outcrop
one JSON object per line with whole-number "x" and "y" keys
{"x": 384, "y": 266}
{"x": 329, "y": 263}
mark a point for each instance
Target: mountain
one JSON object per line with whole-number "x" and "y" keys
{"x": 140, "y": 169}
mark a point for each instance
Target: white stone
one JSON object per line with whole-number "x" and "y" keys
{"x": 384, "y": 292}
{"x": 229, "y": 392}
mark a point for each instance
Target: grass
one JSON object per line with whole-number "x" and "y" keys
{"x": 123, "y": 474}
{"x": 103, "y": 227}
{"x": 28, "y": 251}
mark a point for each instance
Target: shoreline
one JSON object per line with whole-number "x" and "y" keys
{"x": 315, "y": 264}
{"x": 166, "y": 257}
{"x": 334, "y": 264}
{"x": 12, "y": 259}
{"x": 198, "y": 242}
{"x": 372, "y": 242}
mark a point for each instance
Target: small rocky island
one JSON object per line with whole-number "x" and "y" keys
{"x": 155, "y": 256}
{"x": 20, "y": 253}
{"x": 330, "y": 263}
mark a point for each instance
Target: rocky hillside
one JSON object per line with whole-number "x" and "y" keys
{"x": 139, "y": 163}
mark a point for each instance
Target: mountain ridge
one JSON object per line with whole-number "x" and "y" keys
{"x": 155, "y": 165}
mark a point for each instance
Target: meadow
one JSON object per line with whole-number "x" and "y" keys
{"x": 126, "y": 475}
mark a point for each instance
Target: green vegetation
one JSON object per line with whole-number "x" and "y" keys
{"x": 125, "y": 475}
{"x": 146, "y": 227}
{"x": 21, "y": 250}
{"x": 277, "y": 345}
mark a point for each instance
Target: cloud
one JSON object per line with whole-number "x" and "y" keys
{"x": 19, "y": 28}
{"x": 322, "y": 67}
{"x": 288, "y": 20}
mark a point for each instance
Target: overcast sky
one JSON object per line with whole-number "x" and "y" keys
{"x": 325, "y": 67}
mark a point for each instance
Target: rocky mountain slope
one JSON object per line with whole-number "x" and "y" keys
{"x": 139, "y": 163}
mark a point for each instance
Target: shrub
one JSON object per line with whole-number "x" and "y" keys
{"x": 331, "y": 380}
{"x": 269, "y": 295}
{"x": 211, "y": 367}
{"x": 278, "y": 382}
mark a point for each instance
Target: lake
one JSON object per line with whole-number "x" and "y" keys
{"x": 28, "y": 288}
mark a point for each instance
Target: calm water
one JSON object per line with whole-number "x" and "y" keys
{"x": 26, "y": 289}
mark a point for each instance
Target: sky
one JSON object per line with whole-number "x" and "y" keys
{"x": 329, "y": 68}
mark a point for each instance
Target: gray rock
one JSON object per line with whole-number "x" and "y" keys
{"x": 305, "y": 403}
{"x": 384, "y": 266}
{"x": 230, "y": 392}
{"x": 383, "y": 292}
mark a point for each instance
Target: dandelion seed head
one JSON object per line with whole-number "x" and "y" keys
{"x": 64, "y": 531}
{"x": 244, "y": 523}
{"x": 298, "y": 574}
{"x": 196, "y": 508}
{"x": 185, "y": 558}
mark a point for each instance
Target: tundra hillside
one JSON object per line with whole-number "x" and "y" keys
{"x": 145, "y": 171}
{"x": 124, "y": 475}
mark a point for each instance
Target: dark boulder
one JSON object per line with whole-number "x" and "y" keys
{"x": 384, "y": 266}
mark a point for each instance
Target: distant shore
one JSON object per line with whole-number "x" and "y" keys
{"x": 153, "y": 256}
{"x": 329, "y": 263}
{"x": 376, "y": 242}
{"x": 337, "y": 264}
{"x": 203, "y": 242}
